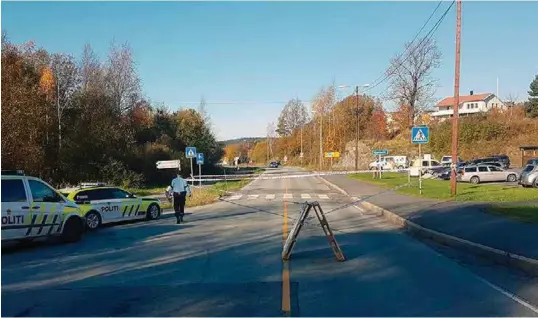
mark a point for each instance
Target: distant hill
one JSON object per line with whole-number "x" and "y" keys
{"x": 239, "y": 140}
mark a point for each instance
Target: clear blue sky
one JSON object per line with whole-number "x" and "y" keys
{"x": 274, "y": 51}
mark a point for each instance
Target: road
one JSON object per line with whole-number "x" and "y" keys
{"x": 226, "y": 261}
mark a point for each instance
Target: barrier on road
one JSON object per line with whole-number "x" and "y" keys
{"x": 292, "y": 236}
{"x": 288, "y": 176}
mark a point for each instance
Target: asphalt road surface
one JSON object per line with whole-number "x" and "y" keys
{"x": 226, "y": 261}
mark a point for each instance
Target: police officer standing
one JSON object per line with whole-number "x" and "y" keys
{"x": 180, "y": 188}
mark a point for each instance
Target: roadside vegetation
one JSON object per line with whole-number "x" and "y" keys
{"x": 439, "y": 189}
{"x": 69, "y": 121}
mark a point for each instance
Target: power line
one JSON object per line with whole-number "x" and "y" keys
{"x": 428, "y": 36}
{"x": 416, "y": 36}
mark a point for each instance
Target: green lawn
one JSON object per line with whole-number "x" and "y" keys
{"x": 440, "y": 189}
{"x": 525, "y": 213}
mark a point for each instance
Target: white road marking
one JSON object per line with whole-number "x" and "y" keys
{"x": 269, "y": 197}
{"x": 323, "y": 196}
{"x": 288, "y": 196}
{"x": 510, "y": 295}
{"x": 253, "y": 196}
{"x": 236, "y": 197}
{"x": 305, "y": 196}
{"x": 355, "y": 198}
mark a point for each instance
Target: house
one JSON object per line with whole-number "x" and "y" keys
{"x": 469, "y": 105}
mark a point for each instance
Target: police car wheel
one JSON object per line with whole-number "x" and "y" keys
{"x": 73, "y": 230}
{"x": 153, "y": 212}
{"x": 93, "y": 220}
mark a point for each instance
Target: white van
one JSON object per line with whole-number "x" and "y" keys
{"x": 390, "y": 163}
{"x": 420, "y": 166}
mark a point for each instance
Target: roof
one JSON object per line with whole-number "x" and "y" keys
{"x": 528, "y": 148}
{"x": 449, "y": 101}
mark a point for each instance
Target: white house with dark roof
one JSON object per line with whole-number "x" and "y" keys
{"x": 469, "y": 105}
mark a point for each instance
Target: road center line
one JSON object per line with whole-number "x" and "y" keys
{"x": 286, "y": 306}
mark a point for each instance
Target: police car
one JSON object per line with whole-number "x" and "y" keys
{"x": 102, "y": 204}
{"x": 31, "y": 208}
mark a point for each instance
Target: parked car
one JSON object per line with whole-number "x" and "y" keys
{"x": 476, "y": 174}
{"x": 390, "y": 162}
{"x": 504, "y": 159}
{"x": 529, "y": 176}
{"x": 532, "y": 161}
{"x": 273, "y": 164}
{"x": 496, "y": 164}
{"x": 488, "y": 160}
{"x": 447, "y": 160}
{"x": 424, "y": 165}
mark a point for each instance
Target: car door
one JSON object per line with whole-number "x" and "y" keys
{"x": 15, "y": 209}
{"x": 127, "y": 204}
{"x": 497, "y": 174}
{"x": 46, "y": 210}
{"x": 484, "y": 174}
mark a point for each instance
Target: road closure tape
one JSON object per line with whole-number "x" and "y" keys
{"x": 265, "y": 176}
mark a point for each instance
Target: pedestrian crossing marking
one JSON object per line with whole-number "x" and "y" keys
{"x": 288, "y": 196}
{"x": 236, "y": 197}
{"x": 253, "y": 196}
{"x": 305, "y": 196}
{"x": 323, "y": 196}
{"x": 270, "y": 197}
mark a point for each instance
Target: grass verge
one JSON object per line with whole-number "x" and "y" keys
{"x": 524, "y": 213}
{"x": 440, "y": 189}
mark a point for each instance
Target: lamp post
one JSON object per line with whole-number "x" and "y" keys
{"x": 357, "y": 135}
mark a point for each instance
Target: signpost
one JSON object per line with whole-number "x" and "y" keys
{"x": 168, "y": 164}
{"x": 379, "y": 153}
{"x": 190, "y": 152}
{"x": 420, "y": 135}
{"x": 200, "y": 162}
{"x": 332, "y": 154}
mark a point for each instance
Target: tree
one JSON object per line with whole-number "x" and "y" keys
{"x": 293, "y": 116}
{"x": 122, "y": 80}
{"x": 531, "y": 106}
{"x": 410, "y": 76}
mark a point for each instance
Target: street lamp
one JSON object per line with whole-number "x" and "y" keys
{"x": 358, "y": 125}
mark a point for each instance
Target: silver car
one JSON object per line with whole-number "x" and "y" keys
{"x": 476, "y": 174}
{"x": 529, "y": 176}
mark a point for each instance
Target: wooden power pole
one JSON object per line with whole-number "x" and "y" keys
{"x": 358, "y": 127}
{"x": 455, "y": 117}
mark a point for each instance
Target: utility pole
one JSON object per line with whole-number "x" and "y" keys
{"x": 58, "y": 109}
{"x": 302, "y": 143}
{"x": 455, "y": 117}
{"x": 357, "y": 135}
{"x": 321, "y": 141}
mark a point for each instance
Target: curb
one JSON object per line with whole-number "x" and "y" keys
{"x": 526, "y": 264}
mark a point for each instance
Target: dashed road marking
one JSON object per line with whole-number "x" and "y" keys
{"x": 270, "y": 197}
{"x": 253, "y": 196}
{"x": 288, "y": 196}
{"x": 236, "y": 197}
{"x": 323, "y": 196}
{"x": 305, "y": 196}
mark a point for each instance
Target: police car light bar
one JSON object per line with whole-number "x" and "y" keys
{"x": 91, "y": 184}
{"x": 13, "y": 172}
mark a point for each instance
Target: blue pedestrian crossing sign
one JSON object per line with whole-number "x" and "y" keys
{"x": 420, "y": 135}
{"x": 190, "y": 152}
{"x": 200, "y": 158}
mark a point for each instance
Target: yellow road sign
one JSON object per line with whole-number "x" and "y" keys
{"x": 334, "y": 154}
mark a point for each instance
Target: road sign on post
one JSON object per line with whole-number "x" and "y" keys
{"x": 383, "y": 152}
{"x": 168, "y": 164}
{"x": 190, "y": 152}
{"x": 200, "y": 162}
{"x": 332, "y": 154}
{"x": 420, "y": 135}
